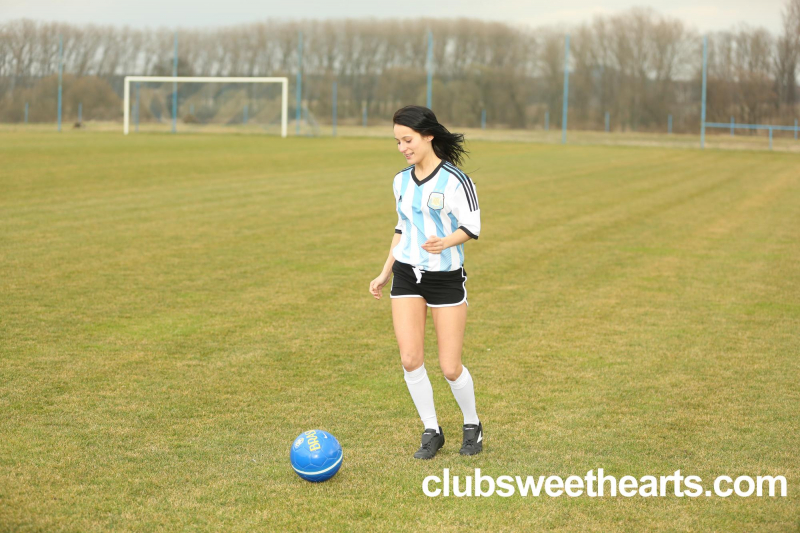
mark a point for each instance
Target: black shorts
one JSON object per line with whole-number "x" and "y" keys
{"x": 439, "y": 289}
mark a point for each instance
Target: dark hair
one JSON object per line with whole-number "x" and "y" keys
{"x": 447, "y": 146}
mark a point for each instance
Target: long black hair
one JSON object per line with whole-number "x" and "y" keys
{"x": 447, "y": 146}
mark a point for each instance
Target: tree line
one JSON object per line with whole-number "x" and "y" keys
{"x": 637, "y": 66}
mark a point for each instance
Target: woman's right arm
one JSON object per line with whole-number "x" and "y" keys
{"x": 377, "y": 284}
{"x": 387, "y": 267}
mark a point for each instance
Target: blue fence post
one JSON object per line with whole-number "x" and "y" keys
{"x": 703, "y": 109}
{"x": 732, "y": 123}
{"x": 299, "y": 81}
{"x": 547, "y": 121}
{"x": 334, "y": 109}
{"x": 483, "y": 119}
{"x": 365, "y": 115}
{"x": 770, "y": 138}
{"x": 795, "y": 127}
{"x": 137, "y": 107}
{"x": 608, "y": 121}
{"x": 80, "y": 112}
{"x": 430, "y": 68}
{"x": 566, "y": 91}
{"x": 669, "y": 124}
{"x": 60, "y": 73}
{"x": 26, "y": 118}
{"x": 175, "y": 86}
{"x": 244, "y": 114}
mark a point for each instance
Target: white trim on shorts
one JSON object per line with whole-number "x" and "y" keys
{"x": 463, "y": 284}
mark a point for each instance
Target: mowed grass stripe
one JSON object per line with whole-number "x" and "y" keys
{"x": 631, "y": 309}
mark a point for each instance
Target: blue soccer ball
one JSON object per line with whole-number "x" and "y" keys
{"x": 316, "y": 455}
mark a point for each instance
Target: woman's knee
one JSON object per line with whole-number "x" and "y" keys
{"x": 451, "y": 370}
{"x": 411, "y": 360}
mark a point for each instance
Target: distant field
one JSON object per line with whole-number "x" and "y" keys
{"x": 715, "y": 138}
{"x": 176, "y": 309}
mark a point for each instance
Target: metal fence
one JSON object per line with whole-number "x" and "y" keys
{"x": 563, "y": 83}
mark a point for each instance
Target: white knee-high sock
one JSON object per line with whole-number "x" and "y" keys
{"x": 464, "y": 392}
{"x": 422, "y": 393}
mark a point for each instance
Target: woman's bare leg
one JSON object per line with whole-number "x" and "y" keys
{"x": 450, "y": 323}
{"x": 409, "y": 315}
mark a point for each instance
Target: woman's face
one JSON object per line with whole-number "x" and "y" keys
{"x": 411, "y": 144}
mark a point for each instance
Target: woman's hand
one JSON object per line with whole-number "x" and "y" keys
{"x": 377, "y": 284}
{"x": 434, "y": 245}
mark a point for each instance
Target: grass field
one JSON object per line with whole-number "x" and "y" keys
{"x": 176, "y": 309}
{"x": 715, "y": 138}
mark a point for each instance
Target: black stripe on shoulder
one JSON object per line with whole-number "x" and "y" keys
{"x": 469, "y": 188}
{"x": 466, "y": 190}
{"x": 466, "y": 178}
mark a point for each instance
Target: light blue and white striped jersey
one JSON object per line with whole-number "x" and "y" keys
{"x": 435, "y": 205}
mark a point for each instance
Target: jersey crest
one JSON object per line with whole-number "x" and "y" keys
{"x": 436, "y": 201}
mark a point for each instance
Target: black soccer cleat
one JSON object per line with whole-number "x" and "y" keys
{"x": 473, "y": 439}
{"x": 431, "y": 442}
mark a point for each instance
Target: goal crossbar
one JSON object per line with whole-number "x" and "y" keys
{"x": 208, "y": 79}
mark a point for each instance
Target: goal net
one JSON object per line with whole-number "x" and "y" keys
{"x": 209, "y": 104}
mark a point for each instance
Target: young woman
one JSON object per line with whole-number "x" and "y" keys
{"x": 437, "y": 208}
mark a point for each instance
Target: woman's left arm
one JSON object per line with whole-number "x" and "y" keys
{"x": 435, "y": 245}
{"x": 464, "y": 206}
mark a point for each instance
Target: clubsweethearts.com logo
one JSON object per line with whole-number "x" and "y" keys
{"x": 600, "y": 485}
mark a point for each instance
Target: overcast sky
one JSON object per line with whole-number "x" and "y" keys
{"x": 703, "y": 15}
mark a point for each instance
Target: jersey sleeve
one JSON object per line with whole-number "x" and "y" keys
{"x": 466, "y": 209}
{"x": 399, "y": 227}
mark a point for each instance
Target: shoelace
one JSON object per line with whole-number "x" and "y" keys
{"x": 472, "y": 441}
{"x": 427, "y": 445}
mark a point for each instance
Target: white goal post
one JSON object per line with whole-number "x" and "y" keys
{"x": 207, "y": 79}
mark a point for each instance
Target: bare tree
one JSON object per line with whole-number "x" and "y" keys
{"x": 787, "y": 57}
{"x": 637, "y": 65}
